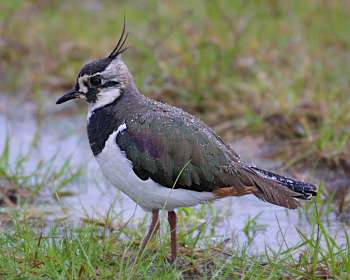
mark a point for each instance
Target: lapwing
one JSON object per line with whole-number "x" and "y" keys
{"x": 162, "y": 157}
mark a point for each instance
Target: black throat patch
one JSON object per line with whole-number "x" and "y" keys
{"x": 101, "y": 125}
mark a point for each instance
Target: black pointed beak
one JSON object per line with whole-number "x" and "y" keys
{"x": 68, "y": 96}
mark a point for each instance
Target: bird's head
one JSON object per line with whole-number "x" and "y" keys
{"x": 101, "y": 82}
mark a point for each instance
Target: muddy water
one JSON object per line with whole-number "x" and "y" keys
{"x": 65, "y": 136}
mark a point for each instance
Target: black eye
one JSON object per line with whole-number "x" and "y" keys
{"x": 95, "y": 80}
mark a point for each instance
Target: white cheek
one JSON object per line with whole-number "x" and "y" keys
{"x": 104, "y": 97}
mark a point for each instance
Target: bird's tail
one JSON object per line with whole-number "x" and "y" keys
{"x": 278, "y": 189}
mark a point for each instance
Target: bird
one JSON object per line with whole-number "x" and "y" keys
{"x": 162, "y": 157}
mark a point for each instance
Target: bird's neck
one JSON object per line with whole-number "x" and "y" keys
{"x": 110, "y": 96}
{"x": 102, "y": 121}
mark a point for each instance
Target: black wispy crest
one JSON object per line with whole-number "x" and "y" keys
{"x": 119, "y": 48}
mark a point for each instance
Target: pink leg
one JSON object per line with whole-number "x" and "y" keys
{"x": 172, "y": 223}
{"x": 154, "y": 227}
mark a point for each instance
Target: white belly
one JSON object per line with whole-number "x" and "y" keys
{"x": 148, "y": 194}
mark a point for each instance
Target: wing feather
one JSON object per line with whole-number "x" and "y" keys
{"x": 160, "y": 146}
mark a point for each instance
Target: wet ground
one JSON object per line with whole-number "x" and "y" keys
{"x": 63, "y": 134}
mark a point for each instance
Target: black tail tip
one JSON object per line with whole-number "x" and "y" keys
{"x": 309, "y": 190}
{"x": 304, "y": 190}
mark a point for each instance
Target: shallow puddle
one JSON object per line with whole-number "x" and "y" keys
{"x": 65, "y": 136}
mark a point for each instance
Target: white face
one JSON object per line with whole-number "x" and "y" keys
{"x": 103, "y": 86}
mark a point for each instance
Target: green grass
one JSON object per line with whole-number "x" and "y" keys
{"x": 269, "y": 67}
{"x": 99, "y": 252}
